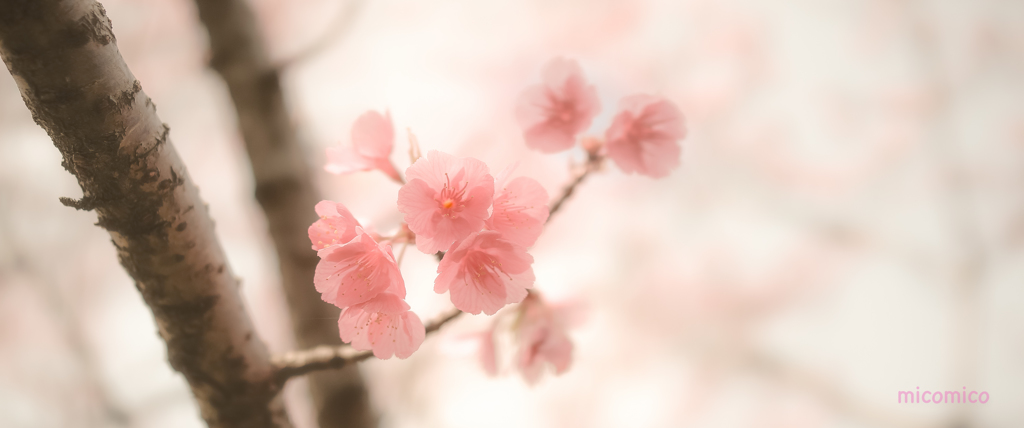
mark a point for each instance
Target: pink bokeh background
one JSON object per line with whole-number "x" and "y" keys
{"x": 848, "y": 221}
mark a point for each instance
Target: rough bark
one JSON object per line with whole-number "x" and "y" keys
{"x": 64, "y": 59}
{"x": 285, "y": 191}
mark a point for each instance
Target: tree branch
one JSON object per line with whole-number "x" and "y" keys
{"x": 285, "y": 191}
{"x": 306, "y": 361}
{"x": 64, "y": 59}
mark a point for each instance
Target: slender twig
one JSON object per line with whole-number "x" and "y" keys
{"x": 298, "y": 363}
{"x": 591, "y": 166}
{"x": 401, "y": 253}
{"x": 322, "y": 357}
{"x": 436, "y": 324}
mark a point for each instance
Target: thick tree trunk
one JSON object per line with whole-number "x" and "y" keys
{"x": 64, "y": 59}
{"x": 285, "y": 190}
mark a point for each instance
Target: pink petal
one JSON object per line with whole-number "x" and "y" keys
{"x": 335, "y": 226}
{"x": 644, "y": 136}
{"x": 483, "y": 273}
{"x": 550, "y": 137}
{"x": 505, "y": 175}
{"x": 410, "y": 334}
{"x": 385, "y": 302}
{"x": 385, "y": 334}
{"x": 345, "y": 160}
{"x": 416, "y": 200}
{"x": 352, "y": 326}
{"x": 373, "y": 135}
{"x": 445, "y": 199}
{"x": 356, "y": 272}
{"x": 372, "y": 140}
{"x": 559, "y": 72}
{"x": 520, "y": 210}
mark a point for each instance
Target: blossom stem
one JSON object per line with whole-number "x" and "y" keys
{"x": 325, "y": 357}
{"x": 591, "y": 166}
{"x": 401, "y": 253}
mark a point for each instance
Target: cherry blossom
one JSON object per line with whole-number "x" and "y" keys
{"x": 644, "y": 136}
{"x": 373, "y": 136}
{"x": 384, "y": 325}
{"x": 484, "y": 273}
{"x": 554, "y": 112}
{"x": 357, "y": 271}
{"x": 542, "y": 338}
{"x": 445, "y": 199}
{"x": 335, "y": 226}
{"x": 520, "y": 208}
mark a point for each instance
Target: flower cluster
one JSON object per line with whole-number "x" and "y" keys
{"x": 478, "y": 225}
{"x": 359, "y": 274}
{"x": 484, "y": 226}
{"x": 643, "y": 137}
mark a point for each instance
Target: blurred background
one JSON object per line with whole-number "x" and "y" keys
{"x": 848, "y": 221}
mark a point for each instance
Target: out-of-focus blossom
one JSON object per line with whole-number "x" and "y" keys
{"x": 335, "y": 226}
{"x": 554, "y": 112}
{"x": 373, "y": 136}
{"x": 357, "y": 271}
{"x": 488, "y": 356}
{"x": 542, "y": 338}
{"x": 446, "y": 199}
{"x": 539, "y": 333}
{"x": 520, "y": 208}
{"x": 384, "y": 325}
{"x": 484, "y": 273}
{"x": 644, "y": 136}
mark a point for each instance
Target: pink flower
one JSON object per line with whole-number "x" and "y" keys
{"x": 644, "y": 136}
{"x": 357, "y": 271}
{"x": 542, "y": 338}
{"x": 520, "y": 208}
{"x": 484, "y": 273}
{"x": 446, "y": 199}
{"x": 383, "y": 324}
{"x": 335, "y": 226}
{"x": 553, "y": 113}
{"x": 372, "y": 138}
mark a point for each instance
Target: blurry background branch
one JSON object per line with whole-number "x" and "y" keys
{"x": 285, "y": 191}
{"x": 63, "y": 56}
{"x": 342, "y": 22}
